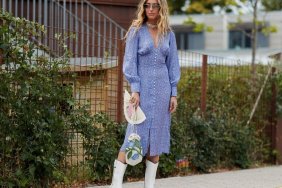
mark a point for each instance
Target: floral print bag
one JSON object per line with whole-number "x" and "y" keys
{"x": 133, "y": 150}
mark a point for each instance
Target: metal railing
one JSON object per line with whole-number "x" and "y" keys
{"x": 96, "y": 33}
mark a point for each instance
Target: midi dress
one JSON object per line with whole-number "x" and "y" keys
{"x": 154, "y": 72}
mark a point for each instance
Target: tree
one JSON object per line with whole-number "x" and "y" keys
{"x": 254, "y": 32}
{"x": 272, "y": 4}
{"x": 207, "y": 6}
{"x": 256, "y": 25}
{"x": 175, "y": 6}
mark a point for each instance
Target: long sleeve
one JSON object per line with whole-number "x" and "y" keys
{"x": 130, "y": 64}
{"x": 172, "y": 62}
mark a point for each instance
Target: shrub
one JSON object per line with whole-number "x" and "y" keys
{"x": 101, "y": 145}
{"x": 32, "y": 122}
{"x": 220, "y": 138}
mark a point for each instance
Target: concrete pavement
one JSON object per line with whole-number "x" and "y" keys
{"x": 266, "y": 177}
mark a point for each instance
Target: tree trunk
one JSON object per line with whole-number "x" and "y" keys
{"x": 254, "y": 36}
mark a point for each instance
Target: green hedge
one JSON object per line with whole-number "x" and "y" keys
{"x": 33, "y": 142}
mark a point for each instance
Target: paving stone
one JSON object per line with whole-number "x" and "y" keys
{"x": 267, "y": 177}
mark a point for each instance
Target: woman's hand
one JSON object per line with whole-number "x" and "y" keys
{"x": 173, "y": 104}
{"x": 135, "y": 99}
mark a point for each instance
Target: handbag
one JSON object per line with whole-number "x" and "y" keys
{"x": 133, "y": 150}
{"x": 132, "y": 115}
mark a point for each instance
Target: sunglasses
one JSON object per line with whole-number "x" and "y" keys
{"x": 152, "y": 6}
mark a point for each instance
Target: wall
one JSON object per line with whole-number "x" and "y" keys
{"x": 122, "y": 11}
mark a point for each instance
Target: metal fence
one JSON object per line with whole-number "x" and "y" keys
{"x": 209, "y": 68}
{"x": 207, "y": 72}
{"x": 96, "y": 49}
{"x": 95, "y": 45}
{"x": 227, "y": 88}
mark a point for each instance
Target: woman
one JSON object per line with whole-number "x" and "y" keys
{"x": 151, "y": 67}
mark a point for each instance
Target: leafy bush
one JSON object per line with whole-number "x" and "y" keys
{"x": 32, "y": 121}
{"x": 209, "y": 144}
{"x": 220, "y": 138}
{"x": 101, "y": 144}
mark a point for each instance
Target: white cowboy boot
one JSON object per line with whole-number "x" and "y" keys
{"x": 150, "y": 174}
{"x": 119, "y": 169}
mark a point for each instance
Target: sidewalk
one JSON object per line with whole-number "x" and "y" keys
{"x": 267, "y": 177}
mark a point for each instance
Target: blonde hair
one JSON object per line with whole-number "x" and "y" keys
{"x": 163, "y": 21}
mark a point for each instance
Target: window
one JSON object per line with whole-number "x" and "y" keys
{"x": 239, "y": 37}
{"x": 190, "y": 40}
{"x": 263, "y": 40}
{"x": 186, "y": 38}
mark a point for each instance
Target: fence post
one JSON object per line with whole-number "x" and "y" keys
{"x": 273, "y": 116}
{"x": 204, "y": 84}
{"x": 1, "y": 58}
{"x": 120, "y": 81}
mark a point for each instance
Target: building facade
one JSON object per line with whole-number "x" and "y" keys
{"x": 230, "y": 36}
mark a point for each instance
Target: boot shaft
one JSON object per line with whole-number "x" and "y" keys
{"x": 118, "y": 173}
{"x": 150, "y": 174}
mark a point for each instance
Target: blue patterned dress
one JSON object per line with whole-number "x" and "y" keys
{"x": 153, "y": 72}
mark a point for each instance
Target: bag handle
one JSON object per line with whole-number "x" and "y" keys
{"x": 134, "y": 114}
{"x": 134, "y": 118}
